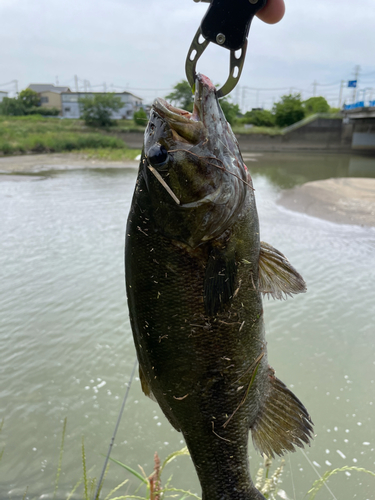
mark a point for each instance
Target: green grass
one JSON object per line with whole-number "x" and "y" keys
{"x": 111, "y": 154}
{"x": 240, "y": 129}
{"x": 37, "y": 134}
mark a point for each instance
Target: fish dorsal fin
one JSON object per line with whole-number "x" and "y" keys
{"x": 277, "y": 276}
{"x": 145, "y": 385}
{"x": 219, "y": 279}
{"x": 283, "y": 423}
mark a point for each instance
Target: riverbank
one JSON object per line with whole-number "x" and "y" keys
{"x": 57, "y": 161}
{"x": 348, "y": 200}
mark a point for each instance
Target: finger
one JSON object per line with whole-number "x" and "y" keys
{"x": 273, "y": 12}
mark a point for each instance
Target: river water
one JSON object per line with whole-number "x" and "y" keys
{"x": 66, "y": 349}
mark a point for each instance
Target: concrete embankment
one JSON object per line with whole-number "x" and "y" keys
{"x": 296, "y": 141}
{"x": 313, "y": 134}
{"x": 321, "y": 132}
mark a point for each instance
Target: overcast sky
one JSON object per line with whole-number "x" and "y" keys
{"x": 138, "y": 45}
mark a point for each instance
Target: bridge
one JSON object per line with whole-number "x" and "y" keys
{"x": 360, "y": 117}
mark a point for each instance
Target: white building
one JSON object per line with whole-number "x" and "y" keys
{"x": 71, "y": 107}
{"x": 3, "y": 94}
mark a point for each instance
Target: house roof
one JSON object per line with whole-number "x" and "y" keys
{"x": 3, "y": 92}
{"x": 46, "y": 87}
{"x": 93, "y": 93}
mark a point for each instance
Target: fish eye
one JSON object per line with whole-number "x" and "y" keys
{"x": 157, "y": 155}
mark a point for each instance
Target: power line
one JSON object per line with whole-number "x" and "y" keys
{"x": 7, "y": 83}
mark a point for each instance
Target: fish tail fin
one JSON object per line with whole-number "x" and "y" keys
{"x": 283, "y": 423}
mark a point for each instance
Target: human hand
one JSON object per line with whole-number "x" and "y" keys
{"x": 273, "y": 12}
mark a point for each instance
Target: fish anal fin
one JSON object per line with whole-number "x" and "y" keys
{"x": 145, "y": 385}
{"x": 277, "y": 277}
{"x": 219, "y": 280}
{"x": 282, "y": 423}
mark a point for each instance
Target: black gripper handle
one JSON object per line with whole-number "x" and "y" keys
{"x": 227, "y": 22}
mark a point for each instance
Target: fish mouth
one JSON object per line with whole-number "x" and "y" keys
{"x": 190, "y": 127}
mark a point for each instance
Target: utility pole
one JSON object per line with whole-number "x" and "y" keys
{"x": 243, "y": 98}
{"x": 356, "y": 75}
{"x": 57, "y": 80}
{"x": 76, "y": 82}
{"x": 16, "y": 86}
{"x": 104, "y": 87}
{"x": 340, "y": 93}
{"x": 237, "y": 95}
{"x": 314, "y": 84}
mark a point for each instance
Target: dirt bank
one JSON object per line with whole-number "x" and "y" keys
{"x": 348, "y": 200}
{"x": 62, "y": 161}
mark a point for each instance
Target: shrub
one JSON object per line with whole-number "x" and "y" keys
{"x": 140, "y": 117}
{"x": 29, "y": 98}
{"x": 259, "y": 118}
{"x": 230, "y": 110}
{"x": 12, "y": 107}
{"x": 43, "y": 111}
{"x": 316, "y": 105}
{"x": 288, "y": 110}
{"x": 97, "y": 111}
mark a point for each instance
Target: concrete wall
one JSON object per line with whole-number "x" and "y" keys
{"x": 321, "y": 134}
{"x": 364, "y": 134}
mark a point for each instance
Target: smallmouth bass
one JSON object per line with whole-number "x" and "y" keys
{"x": 195, "y": 274}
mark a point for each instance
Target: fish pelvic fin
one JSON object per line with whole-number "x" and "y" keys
{"x": 277, "y": 277}
{"x": 283, "y": 423}
{"x": 145, "y": 385}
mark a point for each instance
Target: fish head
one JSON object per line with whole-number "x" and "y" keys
{"x": 196, "y": 180}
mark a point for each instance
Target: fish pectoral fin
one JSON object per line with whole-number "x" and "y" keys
{"x": 219, "y": 279}
{"x": 145, "y": 385}
{"x": 277, "y": 276}
{"x": 283, "y": 423}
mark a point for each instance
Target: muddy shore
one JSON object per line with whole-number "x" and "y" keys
{"x": 62, "y": 161}
{"x": 348, "y": 200}
{"x": 341, "y": 200}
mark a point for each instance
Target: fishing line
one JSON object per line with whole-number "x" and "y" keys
{"x": 96, "y": 496}
{"x": 291, "y": 475}
{"x": 317, "y": 473}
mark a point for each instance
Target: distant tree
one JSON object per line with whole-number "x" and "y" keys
{"x": 230, "y": 110}
{"x": 334, "y": 110}
{"x": 182, "y": 96}
{"x": 140, "y": 117}
{"x": 97, "y": 110}
{"x": 288, "y": 110}
{"x": 12, "y": 107}
{"x": 259, "y": 118}
{"x": 29, "y": 98}
{"x": 316, "y": 105}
